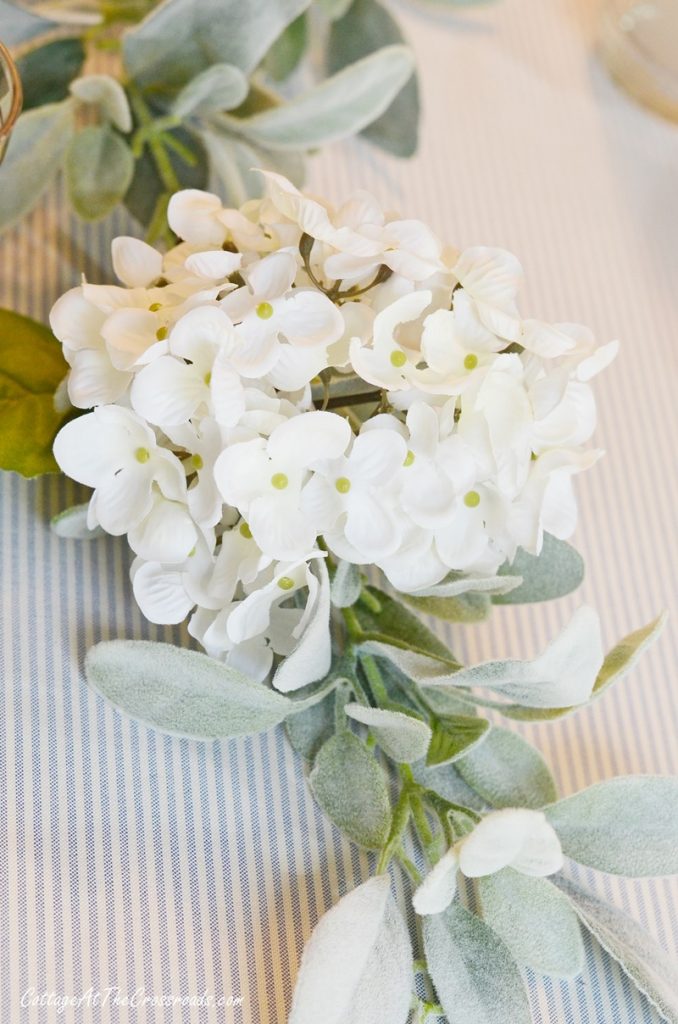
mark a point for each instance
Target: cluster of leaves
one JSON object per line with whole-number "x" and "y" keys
{"x": 398, "y": 711}
{"x": 196, "y": 102}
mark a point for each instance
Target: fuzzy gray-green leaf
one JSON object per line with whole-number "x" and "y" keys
{"x": 350, "y": 786}
{"x": 556, "y": 571}
{"x": 506, "y": 771}
{"x": 340, "y": 106}
{"x": 626, "y": 826}
{"x": 346, "y": 585}
{"x": 365, "y": 27}
{"x": 38, "y": 146}
{"x": 636, "y": 952}
{"x": 535, "y": 921}
{"x": 401, "y": 736}
{"x": 474, "y": 974}
{"x": 453, "y": 736}
{"x": 99, "y": 170}
{"x": 180, "y": 691}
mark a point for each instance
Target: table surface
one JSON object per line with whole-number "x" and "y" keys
{"x": 142, "y": 863}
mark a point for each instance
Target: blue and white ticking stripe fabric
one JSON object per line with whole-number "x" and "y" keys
{"x": 140, "y": 869}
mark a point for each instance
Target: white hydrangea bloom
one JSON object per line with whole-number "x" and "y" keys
{"x": 294, "y": 378}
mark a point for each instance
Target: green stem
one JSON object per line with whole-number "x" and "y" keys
{"x": 147, "y": 136}
{"x": 401, "y": 818}
{"x": 375, "y": 680}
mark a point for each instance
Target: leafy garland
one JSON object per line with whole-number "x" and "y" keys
{"x": 196, "y": 100}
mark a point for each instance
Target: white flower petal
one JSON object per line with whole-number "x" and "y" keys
{"x": 304, "y": 439}
{"x": 135, "y": 263}
{"x": 214, "y": 264}
{"x": 495, "y": 842}
{"x": 372, "y": 527}
{"x": 166, "y": 534}
{"x": 309, "y": 318}
{"x": 121, "y": 501}
{"x": 280, "y": 528}
{"x": 93, "y": 380}
{"x": 160, "y": 593}
{"x": 76, "y": 322}
{"x": 272, "y": 276}
{"x": 376, "y": 456}
{"x": 168, "y": 391}
{"x": 194, "y": 216}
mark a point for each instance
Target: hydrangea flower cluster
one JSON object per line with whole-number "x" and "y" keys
{"x": 294, "y": 379}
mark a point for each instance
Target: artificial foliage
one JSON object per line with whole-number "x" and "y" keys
{"x": 195, "y": 95}
{"x": 317, "y": 426}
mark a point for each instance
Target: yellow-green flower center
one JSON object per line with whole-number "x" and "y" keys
{"x": 264, "y": 310}
{"x": 471, "y": 361}
{"x": 409, "y": 458}
{"x": 245, "y": 531}
{"x": 398, "y": 358}
{"x": 208, "y": 378}
{"x": 142, "y": 455}
{"x": 279, "y": 481}
{"x": 472, "y": 499}
{"x": 155, "y": 306}
{"x": 343, "y": 484}
{"x": 161, "y": 333}
{"x": 285, "y": 583}
{"x": 197, "y": 461}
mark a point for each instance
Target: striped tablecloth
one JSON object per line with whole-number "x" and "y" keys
{"x": 145, "y": 868}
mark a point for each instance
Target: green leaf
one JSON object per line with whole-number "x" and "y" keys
{"x": 357, "y": 965}
{"x": 334, "y": 8}
{"x": 468, "y": 607}
{"x": 346, "y": 585}
{"x": 350, "y": 787}
{"x": 636, "y": 952}
{"x": 626, "y": 826}
{"x": 31, "y": 367}
{"x": 620, "y": 660}
{"x": 564, "y": 672}
{"x": 456, "y": 583}
{"x": 18, "y": 25}
{"x": 474, "y": 974}
{"x": 309, "y": 729}
{"x": 338, "y": 107}
{"x": 47, "y": 71}
{"x": 180, "y": 38}
{"x": 393, "y": 624}
{"x": 71, "y": 524}
{"x": 556, "y": 571}
{"x": 182, "y": 692}
{"x": 535, "y": 920}
{"x": 146, "y": 188}
{"x": 402, "y": 737}
{"x": 507, "y": 771}
{"x": 287, "y": 50}
{"x": 453, "y": 736}
{"x": 365, "y": 27}
{"x": 99, "y": 170}
{"x": 219, "y": 87}
{"x": 39, "y": 142}
{"x": 107, "y": 94}
{"x": 445, "y": 782}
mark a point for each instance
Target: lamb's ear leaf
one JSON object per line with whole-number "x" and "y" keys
{"x": 288, "y": 49}
{"x": 365, "y": 27}
{"x": 181, "y": 692}
{"x": 535, "y": 920}
{"x": 641, "y": 958}
{"x": 357, "y": 965}
{"x": 401, "y": 736}
{"x": 455, "y": 736}
{"x": 351, "y": 788}
{"x": 39, "y": 142}
{"x": 71, "y": 524}
{"x": 468, "y": 607}
{"x": 625, "y": 826}
{"x": 557, "y": 570}
{"x": 617, "y": 664}
{"x": 506, "y": 771}
{"x": 476, "y": 978}
{"x": 180, "y": 38}
{"x": 99, "y": 171}
{"x": 339, "y": 107}
{"x": 387, "y": 622}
